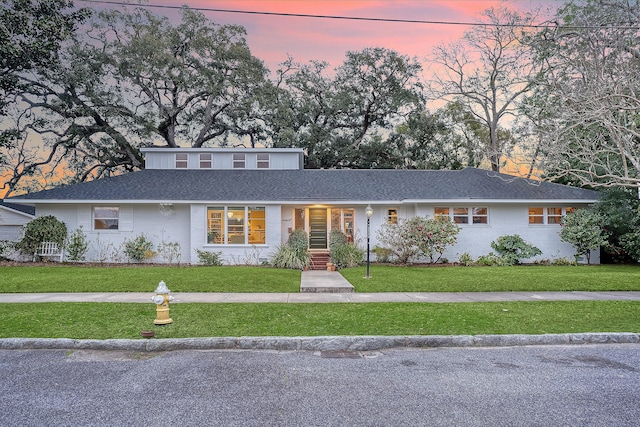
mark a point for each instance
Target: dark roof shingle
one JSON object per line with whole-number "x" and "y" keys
{"x": 367, "y": 185}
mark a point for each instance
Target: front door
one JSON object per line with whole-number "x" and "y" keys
{"x": 317, "y": 228}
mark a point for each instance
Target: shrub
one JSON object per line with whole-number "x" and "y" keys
{"x": 396, "y": 238}
{"x": 344, "y": 254}
{"x": 286, "y": 256}
{"x": 465, "y": 259}
{"x": 513, "y": 249}
{"x": 433, "y": 236}
{"x": 491, "y": 260}
{"x": 298, "y": 240}
{"x": 209, "y": 258}
{"x": 169, "y": 251}
{"x": 583, "y": 230}
{"x": 139, "y": 249}
{"x": 563, "y": 261}
{"x": 43, "y": 229}
{"x": 382, "y": 254}
{"x": 293, "y": 254}
{"x": 77, "y": 245}
{"x": 6, "y": 249}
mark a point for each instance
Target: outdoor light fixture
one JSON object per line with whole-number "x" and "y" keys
{"x": 368, "y": 211}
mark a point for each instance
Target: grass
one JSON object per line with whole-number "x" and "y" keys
{"x": 386, "y": 278}
{"x": 122, "y": 320}
{"x": 65, "y": 278}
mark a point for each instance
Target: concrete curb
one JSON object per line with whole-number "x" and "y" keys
{"x": 323, "y": 343}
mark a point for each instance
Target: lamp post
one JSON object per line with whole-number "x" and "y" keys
{"x": 368, "y": 211}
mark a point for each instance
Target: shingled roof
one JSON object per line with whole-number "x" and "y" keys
{"x": 317, "y": 186}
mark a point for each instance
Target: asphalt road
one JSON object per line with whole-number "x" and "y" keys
{"x": 593, "y": 385}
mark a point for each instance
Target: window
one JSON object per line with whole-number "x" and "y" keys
{"x": 554, "y": 215}
{"x": 206, "y": 160}
{"x": 182, "y": 160}
{"x": 215, "y": 225}
{"x": 106, "y": 218}
{"x": 536, "y": 216}
{"x": 550, "y": 215}
{"x": 238, "y": 161}
{"x": 440, "y": 212}
{"x": 342, "y": 219}
{"x": 235, "y": 227}
{"x": 228, "y": 225}
{"x": 298, "y": 219}
{"x": 479, "y": 216}
{"x": 256, "y": 225}
{"x": 392, "y": 216}
{"x": 473, "y": 215}
{"x": 262, "y": 160}
{"x": 461, "y": 215}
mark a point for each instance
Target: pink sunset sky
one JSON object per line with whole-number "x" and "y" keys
{"x": 272, "y": 38}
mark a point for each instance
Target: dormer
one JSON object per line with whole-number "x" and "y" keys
{"x": 223, "y": 158}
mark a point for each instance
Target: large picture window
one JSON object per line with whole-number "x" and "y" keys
{"x": 106, "y": 218}
{"x": 236, "y": 225}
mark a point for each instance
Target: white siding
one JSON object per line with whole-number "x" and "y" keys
{"x": 504, "y": 219}
{"x": 11, "y": 223}
{"x": 222, "y": 158}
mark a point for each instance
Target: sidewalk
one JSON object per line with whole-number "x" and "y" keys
{"x": 431, "y": 297}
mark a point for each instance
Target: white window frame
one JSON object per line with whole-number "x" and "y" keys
{"x": 466, "y": 219}
{"x": 115, "y": 209}
{"x": 263, "y": 160}
{"x": 239, "y": 160}
{"x": 547, "y": 213}
{"x": 182, "y": 160}
{"x": 226, "y": 211}
{"x": 206, "y": 160}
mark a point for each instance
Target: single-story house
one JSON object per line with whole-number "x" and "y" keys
{"x": 245, "y": 202}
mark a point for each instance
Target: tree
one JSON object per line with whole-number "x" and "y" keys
{"x": 487, "y": 72}
{"x": 31, "y": 34}
{"x": 433, "y": 236}
{"x": 134, "y": 79}
{"x": 583, "y": 230}
{"x": 619, "y": 209}
{"x": 344, "y": 120}
{"x": 590, "y": 97}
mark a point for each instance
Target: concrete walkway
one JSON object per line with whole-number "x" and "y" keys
{"x": 322, "y": 287}
{"x": 433, "y": 297}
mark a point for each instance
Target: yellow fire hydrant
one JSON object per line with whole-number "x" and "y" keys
{"x": 161, "y": 299}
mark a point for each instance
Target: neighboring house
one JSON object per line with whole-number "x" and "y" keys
{"x": 12, "y": 218}
{"x": 245, "y": 202}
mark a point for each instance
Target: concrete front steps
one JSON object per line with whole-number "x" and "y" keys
{"x": 323, "y": 281}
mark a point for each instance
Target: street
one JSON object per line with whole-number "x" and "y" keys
{"x": 594, "y": 385}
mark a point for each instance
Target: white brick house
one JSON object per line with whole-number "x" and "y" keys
{"x": 244, "y": 203}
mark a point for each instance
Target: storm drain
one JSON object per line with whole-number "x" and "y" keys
{"x": 340, "y": 354}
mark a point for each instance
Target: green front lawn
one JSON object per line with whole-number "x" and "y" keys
{"x": 64, "y": 278}
{"x": 386, "y": 278}
{"x": 121, "y": 320}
